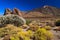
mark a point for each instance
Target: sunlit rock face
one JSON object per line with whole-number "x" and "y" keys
{"x": 7, "y": 11}
{"x": 16, "y": 11}
{"x": 11, "y": 19}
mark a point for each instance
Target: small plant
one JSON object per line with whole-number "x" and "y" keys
{"x": 28, "y": 22}
{"x": 47, "y": 27}
{"x": 41, "y": 34}
{"x": 57, "y": 23}
{"x": 25, "y": 35}
{"x": 14, "y": 38}
{"x": 33, "y": 26}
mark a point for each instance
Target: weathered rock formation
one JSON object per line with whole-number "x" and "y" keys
{"x": 7, "y": 11}
{"x": 16, "y": 11}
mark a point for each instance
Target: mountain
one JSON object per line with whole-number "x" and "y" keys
{"x": 46, "y": 10}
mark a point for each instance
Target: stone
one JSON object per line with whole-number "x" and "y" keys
{"x": 17, "y": 12}
{"x": 7, "y": 11}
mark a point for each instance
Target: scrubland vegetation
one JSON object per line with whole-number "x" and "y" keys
{"x": 32, "y": 31}
{"x": 17, "y": 28}
{"x": 18, "y": 33}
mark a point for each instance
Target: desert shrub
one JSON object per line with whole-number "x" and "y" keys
{"x": 15, "y": 33}
{"x": 57, "y": 23}
{"x": 11, "y": 19}
{"x": 14, "y": 37}
{"x": 25, "y": 35}
{"x": 25, "y": 26}
{"x": 30, "y": 33}
{"x": 33, "y": 26}
{"x": 41, "y": 34}
{"x": 10, "y": 30}
{"x": 34, "y": 23}
{"x": 28, "y": 21}
{"x": 47, "y": 27}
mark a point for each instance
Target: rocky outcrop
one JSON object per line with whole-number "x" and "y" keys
{"x": 17, "y": 12}
{"x": 7, "y": 11}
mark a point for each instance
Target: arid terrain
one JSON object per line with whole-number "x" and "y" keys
{"x": 37, "y": 24}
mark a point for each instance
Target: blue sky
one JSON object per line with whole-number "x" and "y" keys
{"x": 24, "y": 5}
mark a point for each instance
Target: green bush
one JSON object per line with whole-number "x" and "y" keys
{"x": 11, "y": 19}
{"x": 57, "y": 23}
{"x": 28, "y": 21}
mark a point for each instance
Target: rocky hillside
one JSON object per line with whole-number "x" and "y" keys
{"x": 45, "y": 10}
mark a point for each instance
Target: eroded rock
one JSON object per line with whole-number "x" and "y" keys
{"x": 16, "y": 11}
{"x": 7, "y": 11}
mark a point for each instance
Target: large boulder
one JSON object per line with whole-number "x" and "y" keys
{"x": 11, "y": 19}
{"x": 7, "y": 11}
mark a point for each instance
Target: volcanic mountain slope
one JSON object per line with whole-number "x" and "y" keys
{"x": 44, "y": 11}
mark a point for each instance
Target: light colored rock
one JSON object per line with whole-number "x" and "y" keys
{"x": 16, "y": 11}
{"x": 7, "y": 11}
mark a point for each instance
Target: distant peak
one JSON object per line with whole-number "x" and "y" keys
{"x": 46, "y": 6}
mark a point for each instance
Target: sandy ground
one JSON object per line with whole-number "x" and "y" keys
{"x": 56, "y": 34}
